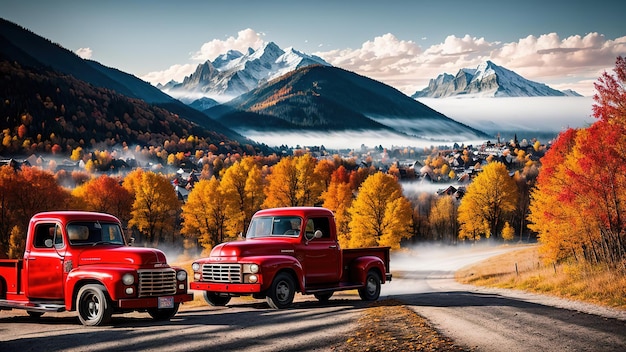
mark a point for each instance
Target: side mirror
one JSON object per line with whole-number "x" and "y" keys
{"x": 48, "y": 243}
{"x": 318, "y": 234}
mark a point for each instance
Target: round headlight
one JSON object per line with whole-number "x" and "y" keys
{"x": 195, "y": 266}
{"x": 181, "y": 275}
{"x": 254, "y": 268}
{"x": 128, "y": 279}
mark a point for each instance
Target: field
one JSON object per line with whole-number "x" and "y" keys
{"x": 524, "y": 270}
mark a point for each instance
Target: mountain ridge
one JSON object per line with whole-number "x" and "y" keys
{"x": 312, "y": 97}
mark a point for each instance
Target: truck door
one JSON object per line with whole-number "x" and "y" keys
{"x": 44, "y": 262}
{"x": 322, "y": 261}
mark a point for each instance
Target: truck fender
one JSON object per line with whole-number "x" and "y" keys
{"x": 272, "y": 265}
{"x": 360, "y": 266}
{"x": 78, "y": 278}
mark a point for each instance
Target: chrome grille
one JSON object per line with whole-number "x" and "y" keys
{"x": 230, "y": 273}
{"x": 157, "y": 282}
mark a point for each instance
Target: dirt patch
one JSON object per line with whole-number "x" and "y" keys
{"x": 388, "y": 325}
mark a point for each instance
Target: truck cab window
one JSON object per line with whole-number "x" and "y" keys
{"x": 322, "y": 224}
{"x": 94, "y": 233}
{"x": 45, "y": 236}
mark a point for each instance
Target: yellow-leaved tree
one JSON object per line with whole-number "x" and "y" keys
{"x": 155, "y": 208}
{"x": 338, "y": 198}
{"x": 293, "y": 182}
{"x": 489, "y": 200}
{"x": 242, "y": 186}
{"x": 204, "y": 214}
{"x": 380, "y": 215}
{"x": 443, "y": 219}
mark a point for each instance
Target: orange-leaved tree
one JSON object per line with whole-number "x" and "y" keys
{"x": 380, "y": 215}
{"x": 25, "y": 191}
{"x": 489, "y": 200}
{"x": 585, "y": 195}
{"x": 104, "y": 194}
{"x": 293, "y": 182}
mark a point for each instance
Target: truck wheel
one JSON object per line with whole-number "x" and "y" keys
{"x": 282, "y": 291}
{"x": 34, "y": 315}
{"x": 323, "y": 297}
{"x": 371, "y": 291}
{"x": 94, "y": 307}
{"x": 163, "y": 314}
{"x": 215, "y": 299}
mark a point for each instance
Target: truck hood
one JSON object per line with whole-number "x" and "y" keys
{"x": 239, "y": 249}
{"x": 123, "y": 255}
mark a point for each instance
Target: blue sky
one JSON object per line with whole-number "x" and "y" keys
{"x": 401, "y": 43}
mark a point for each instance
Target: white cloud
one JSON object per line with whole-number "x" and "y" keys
{"x": 573, "y": 62}
{"x": 245, "y": 39}
{"x": 84, "y": 53}
{"x": 174, "y": 72}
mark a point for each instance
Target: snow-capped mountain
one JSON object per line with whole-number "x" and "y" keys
{"x": 486, "y": 80}
{"x": 235, "y": 73}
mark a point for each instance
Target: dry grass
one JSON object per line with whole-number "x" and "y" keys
{"x": 524, "y": 270}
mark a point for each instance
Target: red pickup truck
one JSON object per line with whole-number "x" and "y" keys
{"x": 289, "y": 250}
{"x": 80, "y": 261}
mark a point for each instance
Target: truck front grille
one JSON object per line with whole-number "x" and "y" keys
{"x": 230, "y": 273}
{"x": 157, "y": 282}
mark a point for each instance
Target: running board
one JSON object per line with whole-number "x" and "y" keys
{"x": 341, "y": 287}
{"x": 33, "y": 306}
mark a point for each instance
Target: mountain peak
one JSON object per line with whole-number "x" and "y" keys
{"x": 486, "y": 80}
{"x": 233, "y": 73}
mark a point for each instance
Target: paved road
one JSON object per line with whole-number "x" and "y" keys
{"x": 483, "y": 320}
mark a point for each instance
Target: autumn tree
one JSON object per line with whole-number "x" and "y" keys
{"x": 547, "y": 219}
{"x": 155, "y": 208}
{"x": 380, "y": 214}
{"x": 242, "y": 186}
{"x": 25, "y": 191}
{"x": 105, "y": 194}
{"x": 443, "y": 219}
{"x": 585, "y": 175}
{"x": 338, "y": 198}
{"x": 204, "y": 215}
{"x": 489, "y": 200}
{"x": 293, "y": 182}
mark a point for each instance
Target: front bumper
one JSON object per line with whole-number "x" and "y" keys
{"x": 225, "y": 287}
{"x": 150, "y": 302}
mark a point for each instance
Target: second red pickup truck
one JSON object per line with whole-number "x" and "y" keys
{"x": 289, "y": 250}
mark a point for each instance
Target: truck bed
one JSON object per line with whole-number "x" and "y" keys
{"x": 11, "y": 272}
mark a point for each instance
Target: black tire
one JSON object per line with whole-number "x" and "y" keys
{"x": 34, "y": 315}
{"x": 282, "y": 291}
{"x": 323, "y": 297}
{"x": 371, "y": 291}
{"x": 163, "y": 314}
{"x": 215, "y": 299}
{"x": 94, "y": 306}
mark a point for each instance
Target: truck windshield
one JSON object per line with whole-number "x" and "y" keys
{"x": 274, "y": 226}
{"x": 92, "y": 233}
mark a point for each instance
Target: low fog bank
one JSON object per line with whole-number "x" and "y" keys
{"x": 440, "y": 257}
{"x": 523, "y": 114}
{"x": 351, "y": 139}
